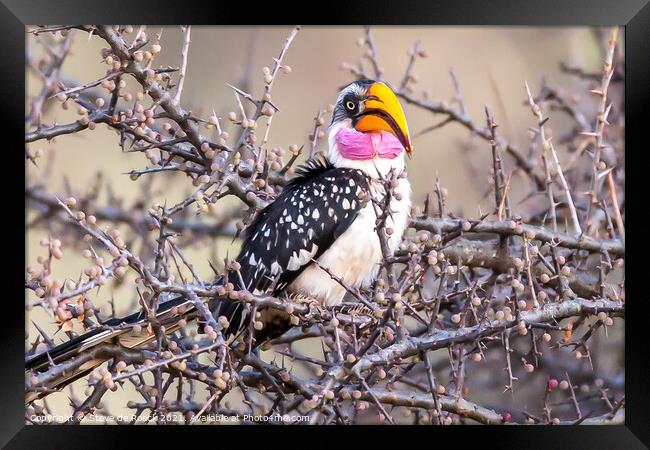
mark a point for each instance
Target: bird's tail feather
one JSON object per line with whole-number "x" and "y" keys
{"x": 120, "y": 332}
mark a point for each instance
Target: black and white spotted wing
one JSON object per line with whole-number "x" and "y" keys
{"x": 315, "y": 208}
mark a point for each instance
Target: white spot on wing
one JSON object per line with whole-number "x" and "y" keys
{"x": 303, "y": 257}
{"x": 293, "y": 262}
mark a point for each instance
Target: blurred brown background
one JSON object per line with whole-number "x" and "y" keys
{"x": 491, "y": 65}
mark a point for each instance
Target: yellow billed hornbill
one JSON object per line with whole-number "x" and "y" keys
{"x": 324, "y": 214}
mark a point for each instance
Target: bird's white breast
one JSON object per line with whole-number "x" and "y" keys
{"x": 356, "y": 255}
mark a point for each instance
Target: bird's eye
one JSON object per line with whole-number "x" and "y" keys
{"x": 350, "y": 105}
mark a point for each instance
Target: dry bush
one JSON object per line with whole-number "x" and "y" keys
{"x": 503, "y": 317}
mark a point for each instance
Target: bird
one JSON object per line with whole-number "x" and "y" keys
{"x": 316, "y": 240}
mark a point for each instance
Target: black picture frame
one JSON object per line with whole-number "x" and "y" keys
{"x": 634, "y": 15}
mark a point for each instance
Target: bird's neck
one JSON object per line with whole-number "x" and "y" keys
{"x": 373, "y": 167}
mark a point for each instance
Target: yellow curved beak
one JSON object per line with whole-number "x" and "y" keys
{"x": 384, "y": 112}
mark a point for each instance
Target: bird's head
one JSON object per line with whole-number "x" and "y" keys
{"x": 368, "y": 123}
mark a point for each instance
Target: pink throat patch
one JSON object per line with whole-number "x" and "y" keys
{"x": 356, "y": 145}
